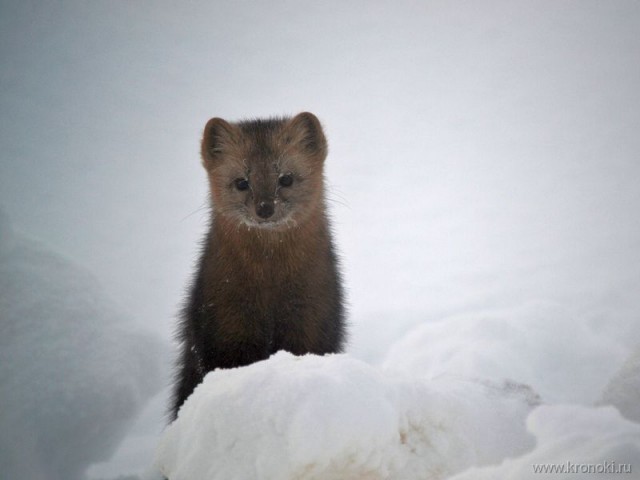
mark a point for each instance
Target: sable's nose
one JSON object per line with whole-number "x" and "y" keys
{"x": 264, "y": 209}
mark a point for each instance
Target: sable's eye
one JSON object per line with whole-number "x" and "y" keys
{"x": 241, "y": 183}
{"x": 286, "y": 180}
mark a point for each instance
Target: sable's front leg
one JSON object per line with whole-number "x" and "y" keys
{"x": 189, "y": 377}
{"x": 234, "y": 354}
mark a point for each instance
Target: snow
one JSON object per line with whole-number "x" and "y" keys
{"x": 516, "y": 344}
{"x": 575, "y": 438}
{"x": 623, "y": 390}
{"x": 445, "y": 401}
{"x": 483, "y": 188}
{"x": 73, "y": 370}
{"x": 335, "y": 417}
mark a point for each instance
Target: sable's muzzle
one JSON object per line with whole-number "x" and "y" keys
{"x": 264, "y": 209}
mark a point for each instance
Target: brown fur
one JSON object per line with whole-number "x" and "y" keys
{"x": 263, "y": 284}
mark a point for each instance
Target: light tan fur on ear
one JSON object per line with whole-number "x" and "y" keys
{"x": 305, "y": 130}
{"x": 218, "y": 136}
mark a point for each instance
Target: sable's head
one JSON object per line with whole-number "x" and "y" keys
{"x": 265, "y": 173}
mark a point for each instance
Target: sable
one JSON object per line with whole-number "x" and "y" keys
{"x": 268, "y": 278}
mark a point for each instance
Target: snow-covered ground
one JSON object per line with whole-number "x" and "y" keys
{"x": 339, "y": 418}
{"x": 571, "y": 442}
{"x": 74, "y": 372}
{"x": 484, "y": 187}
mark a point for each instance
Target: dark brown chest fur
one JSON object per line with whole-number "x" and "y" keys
{"x": 256, "y": 293}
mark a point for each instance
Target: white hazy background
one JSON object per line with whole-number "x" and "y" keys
{"x": 483, "y": 154}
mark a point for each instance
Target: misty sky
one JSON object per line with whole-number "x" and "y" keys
{"x": 466, "y": 137}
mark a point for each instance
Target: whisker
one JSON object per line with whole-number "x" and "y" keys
{"x": 338, "y": 202}
{"x": 334, "y": 195}
{"x": 202, "y": 206}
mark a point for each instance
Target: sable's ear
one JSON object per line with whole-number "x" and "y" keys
{"x": 218, "y": 135}
{"x": 305, "y": 130}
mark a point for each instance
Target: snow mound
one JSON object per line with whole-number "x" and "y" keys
{"x": 577, "y": 355}
{"x": 623, "y": 390}
{"x": 335, "y": 417}
{"x": 573, "y": 440}
{"x": 73, "y": 371}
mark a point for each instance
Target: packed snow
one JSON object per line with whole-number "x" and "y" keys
{"x": 73, "y": 372}
{"x": 623, "y": 390}
{"x": 336, "y": 417}
{"x": 573, "y": 441}
{"x": 447, "y": 399}
{"x": 517, "y": 344}
{"x": 483, "y": 189}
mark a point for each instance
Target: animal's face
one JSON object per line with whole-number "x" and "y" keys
{"x": 265, "y": 173}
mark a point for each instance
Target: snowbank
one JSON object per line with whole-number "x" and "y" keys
{"x": 623, "y": 390}
{"x": 575, "y": 441}
{"x": 335, "y": 417}
{"x": 563, "y": 356}
{"x": 73, "y": 371}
